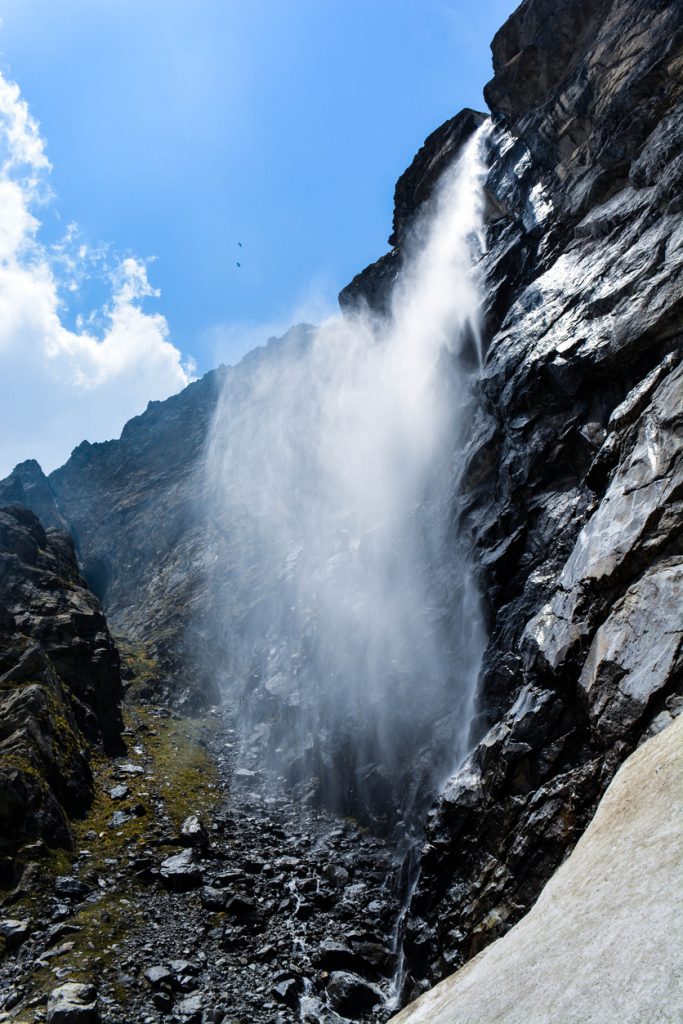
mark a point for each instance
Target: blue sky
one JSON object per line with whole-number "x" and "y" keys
{"x": 174, "y": 129}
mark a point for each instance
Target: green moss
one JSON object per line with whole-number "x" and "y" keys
{"x": 182, "y": 767}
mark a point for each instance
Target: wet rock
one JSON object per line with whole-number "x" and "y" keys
{"x": 72, "y": 1003}
{"x": 181, "y": 871}
{"x": 637, "y": 652}
{"x": 288, "y": 989}
{"x": 350, "y": 995}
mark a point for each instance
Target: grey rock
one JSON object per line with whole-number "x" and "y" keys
{"x": 72, "y": 1003}
{"x": 189, "y": 1010}
{"x": 181, "y": 871}
{"x": 157, "y": 975}
{"x": 119, "y": 792}
{"x": 637, "y": 652}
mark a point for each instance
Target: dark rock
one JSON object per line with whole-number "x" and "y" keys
{"x": 14, "y": 932}
{"x": 213, "y": 899}
{"x": 288, "y": 989}
{"x": 70, "y": 887}
{"x": 59, "y": 931}
{"x": 72, "y": 1004}
{"x": 163, "y": 1001}
{"x": 350, "y": 996}
{"x": 181, "y": 871}
{"x": 59, "y": 681}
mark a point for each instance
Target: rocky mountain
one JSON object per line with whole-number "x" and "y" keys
{"x": 569, "y": 500}
{"x": 572, "y": 493}
{"x": 60, "y": 686}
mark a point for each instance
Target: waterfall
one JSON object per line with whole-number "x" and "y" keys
{"x": 340, "y": 596}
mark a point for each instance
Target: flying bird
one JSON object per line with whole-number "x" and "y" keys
{"x": 239, "y": 265}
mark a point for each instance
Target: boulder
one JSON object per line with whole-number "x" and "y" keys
{"x": 193, "y": 833}
{"x": 14, "y": 932}
{"x": 351, "y": 996}
{"x": 181, "y": 871}
{"x": 72, "y": 1003}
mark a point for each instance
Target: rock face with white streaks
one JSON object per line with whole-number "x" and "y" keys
{"x": 604, "y": 942}
{"x": 573, "y": 493}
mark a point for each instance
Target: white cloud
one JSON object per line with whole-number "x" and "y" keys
{"x": 59, "y": 386}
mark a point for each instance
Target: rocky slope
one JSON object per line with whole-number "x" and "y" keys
{"x": 604, "y": 942}
{"x": 60, "y": 685}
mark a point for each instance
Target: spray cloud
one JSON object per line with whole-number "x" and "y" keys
{"x": 339, "y": 596}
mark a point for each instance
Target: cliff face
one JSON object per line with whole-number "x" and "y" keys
{"x": 572, "y": 494}
{"x": 60, "y": 686}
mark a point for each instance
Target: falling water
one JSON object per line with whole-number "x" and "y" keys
{"x": 340, "y": 593}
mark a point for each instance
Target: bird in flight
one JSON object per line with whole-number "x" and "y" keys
{"x": 239, "y": 264}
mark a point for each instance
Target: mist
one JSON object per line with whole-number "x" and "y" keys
{"x": 340, "y": 596}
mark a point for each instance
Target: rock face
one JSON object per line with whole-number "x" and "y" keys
{"x": 572, "y": 492}
{"x": 59, "y": 682}
{"x": 604, "y": 942}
